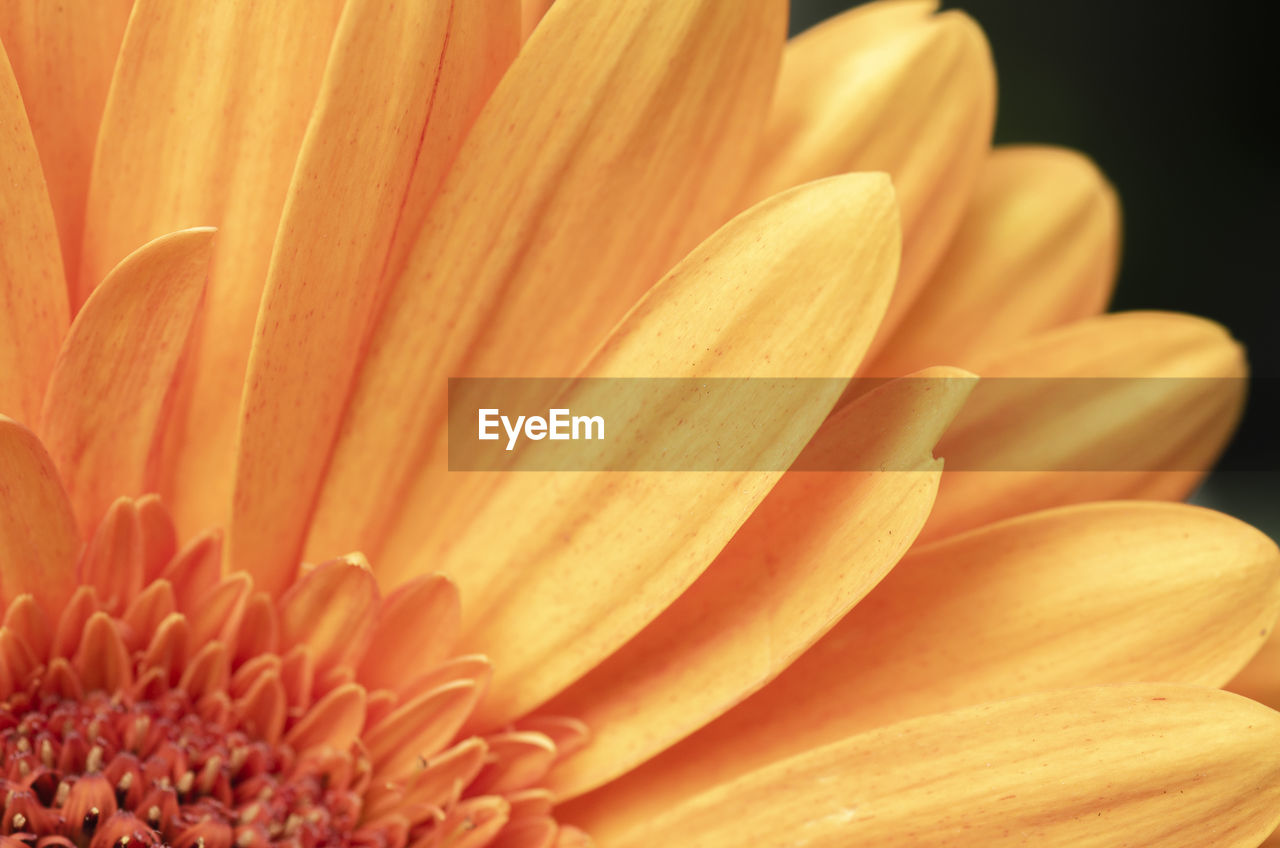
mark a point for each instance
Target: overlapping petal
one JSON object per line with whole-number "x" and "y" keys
{"x": 111, "y": 388}
{"x": 1140, "y": 403}
{"x": 33, "y": 296}
{"x": 1141, "y": 764}
{"x": 1094, "y": 594}
{"x": 536, "y": 228}
{"x": 887, "y": 87}
{"x": 39, "y": 541}
{"x": 556, "y": 570}
{"x": 202, "y": 127}
{"x": 403, "y": 84}
{"x": 63, "y": 55}
{"x": 1036, "y": 249}
{"x": 811, "y": 550}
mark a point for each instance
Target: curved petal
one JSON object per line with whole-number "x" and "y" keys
{"x": 1084, "y": 595}
{"x": 330, "y": 610}
{"x": 335, "y": 720}
{"x": 533, "y": 228}
{"x": 111, "y": 387}
{"x": 382, "y": 136}
{"x": 792, "y": 288}
{"x": 887, "y": 87}
{"x": 202, "y": 126}
{"x": 32, "y": 289}
{"x": 63, "y": 55}
{"x": 816, "y": 545}
{"x": 415, "y": 631}
{"x": 38, "y": 538}
{"x": 112, "y": 559}
{"x": 1155, "y": 765}
{"x": 1155, "y": 436}
{"x": 1260, "y": 679}
{"x": 531, "y": 14}
{"x": 1037, "y": 248}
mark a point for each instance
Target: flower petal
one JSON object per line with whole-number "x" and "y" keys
{"x": 32, "y": 288}
{"x": 745, "y": 619}
{"x": 226, "y": 90}
{"x": 539, "y": 201}
{"x": 516, "y": 761}
{"x": 112, "y": 560}
{"x": 110, "y": 390}
{"x": 1144, "y": 764}
{"x": 1037, "y": 248}
{"x": 102, "y": 660}
{"x": 531, "y": 14}
{"x": 415, "y": 631}
{"x": 791, "y": 288}
{"x": 1081, "y": 595}
{"x": 1260, "y": 679}
{"x": 1157, "y": 435}
{"x": 887, "y": 87}
{"x": 331, "y": 612}
{"x": 334, "y": 720}
{"x": 403, "y": 85}
{"x": 39, "y": 542}
{"x": 419, "y": 729}
{"x": 63, "y": 55}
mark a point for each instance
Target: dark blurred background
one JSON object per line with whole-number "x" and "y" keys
{"x": 1176, "y": 108}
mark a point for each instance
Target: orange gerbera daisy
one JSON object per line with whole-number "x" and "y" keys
{"x": 405, "y": 192}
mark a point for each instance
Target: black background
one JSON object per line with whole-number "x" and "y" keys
{"x": 1176, "y": 109}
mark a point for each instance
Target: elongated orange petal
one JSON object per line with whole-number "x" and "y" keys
{"x": 530, "y": 230}
{"x": 63, "y": 55}
{"x": 334, "y": 720}
{"x": 887, "y": 87}
{"x": 38, "y": 537}
{"x": 475, "y": 822}
{"x": 331, "y": 612}
{"x": 790, "y": 288}
{"x": 1037, "y": 248}
{"x": 1155, "y": 437}
{"x": 415, "y": 631}
{"x": 516, "y": 761}
{"x": 71, "y": 620}
{"x": 25, "y": 616}
{"x": 159, "y": 536}
{"x": 112, "y": 560}
{"x": 110, "y": 390}
{"x": 32, "y": 291}
{"x": 207, "y": 671}
{"x": 527, "y": 832}
{"x": 438, "y": 783}
{"x": 746, "y": 619}
{"x": 419, "y": 729}
{"x": 147, "y": 611}
{"x": 227, "y": 90}
{"x": 403, "y": 85}
{"x": 1144, "y": 764}
{"x": 1260, "y": 679}
{"x": 262, "y": 708}
{"x": 1082, "y": 595}
{"x": 168, "y": 648}
{"x": 531, "y": 12}
{"x": 102, "y": 660}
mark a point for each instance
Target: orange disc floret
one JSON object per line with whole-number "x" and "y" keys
{"x": 168, "y": 703}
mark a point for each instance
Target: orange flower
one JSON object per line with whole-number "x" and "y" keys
{"x": 408, "y": 192}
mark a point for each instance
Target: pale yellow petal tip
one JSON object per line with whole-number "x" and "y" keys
{"x": 356, "y": 559}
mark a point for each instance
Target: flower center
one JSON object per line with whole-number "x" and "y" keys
{"x": 160, "y": 701}
{"x": 104, "y": 773}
